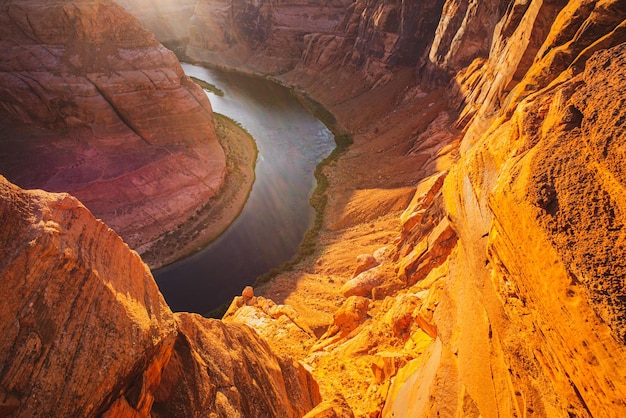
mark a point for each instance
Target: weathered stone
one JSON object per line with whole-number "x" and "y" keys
{"x": 85, "y": 328}
{"x": 228, "y": 370}
{"x": 364, "y": 262}
{"x": 248, "y": 293}
{"x": 336, "y": 407}
{"x": 363, "y": 283}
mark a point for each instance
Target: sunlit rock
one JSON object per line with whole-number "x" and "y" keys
{"x": 85, "y": 328}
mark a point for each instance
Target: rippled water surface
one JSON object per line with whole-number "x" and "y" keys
{"x": 291, "y": 143}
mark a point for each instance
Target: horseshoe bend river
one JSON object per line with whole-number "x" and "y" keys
{"x": 291, "y": 142}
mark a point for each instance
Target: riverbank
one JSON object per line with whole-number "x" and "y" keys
{"x": 215, "y": 215}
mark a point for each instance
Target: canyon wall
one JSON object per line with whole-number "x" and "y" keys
{"x": 501, "y": 292}
{"x": 86, "y": 332}
{"x": 470, "y": 257}
{"x": 91, "y": 104}
{"x": 258, "y": 36}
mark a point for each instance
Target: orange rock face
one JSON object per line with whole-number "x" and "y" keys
{"x": 91, "y": 104}
{"x": 83, "y": 323}
{"x": 502, "y": 290}
{"x": 86, "y": 332}
{"x": 531, "y": 312}
{"x": 229, "y": 371}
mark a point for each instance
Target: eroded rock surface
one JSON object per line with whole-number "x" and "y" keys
{"x": 91, "y": 104}
{"x": 86, "y": 332}
{"x": 84, "y": 326}
{"x": 374, "y": 38}
{"x": 228, "y": 370}
{"x": 503, "y": 292}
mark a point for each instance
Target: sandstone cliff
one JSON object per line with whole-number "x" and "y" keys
{"x": 500, "y": 291}
{"x": 85, "y": 331}
{"x": 84, "y": 326}
{"x": 91, "y": 104}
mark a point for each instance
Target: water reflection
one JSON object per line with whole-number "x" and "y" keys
{"x": 291, "y": 143}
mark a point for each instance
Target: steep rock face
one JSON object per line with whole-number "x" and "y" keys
{"x": 531, "y": 45}
{"x": 227, "y": 370}
{"x": 532, "y": 308}
{"x": 464, "y": 32}
{"x": 84, "y": 326}
{"x": 503, "y": 292}
{"x": 375, "y": 37}
{"x": 85, "y": 331}
{"x": 93, "y": 105}
{"x": 258, "y": 36}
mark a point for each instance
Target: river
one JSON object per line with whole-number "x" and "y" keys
{"x": 268, "y": 232}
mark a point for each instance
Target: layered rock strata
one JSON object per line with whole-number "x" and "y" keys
{"x": 374, "y": 38}
{"x": 258, "y": 35}
{"x": 85, "y": 331}
{"x": 91, "y": 104}
{"x": 84, "y": 327}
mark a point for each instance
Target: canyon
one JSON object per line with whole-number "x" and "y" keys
{"x": 93, "y": 105}
{"x": 470, "y": 257}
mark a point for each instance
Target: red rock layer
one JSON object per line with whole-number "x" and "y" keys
{"x": 93, "y": 105}
{"x": 258, "y": 36}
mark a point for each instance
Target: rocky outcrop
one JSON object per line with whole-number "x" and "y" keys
{"x": 534, "y": 291}
{"x": 91, "y": 104}
{"x": 502, "y": 292}
{"x": 84, "y": 327}
{"x": 228, "y": 370}
{"x": 258, "y": 36}
{"x": 85, "y": 331}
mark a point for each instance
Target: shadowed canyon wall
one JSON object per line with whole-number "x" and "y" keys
{"x": 91, "y": 104}
{"x": 258, "y": 35}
